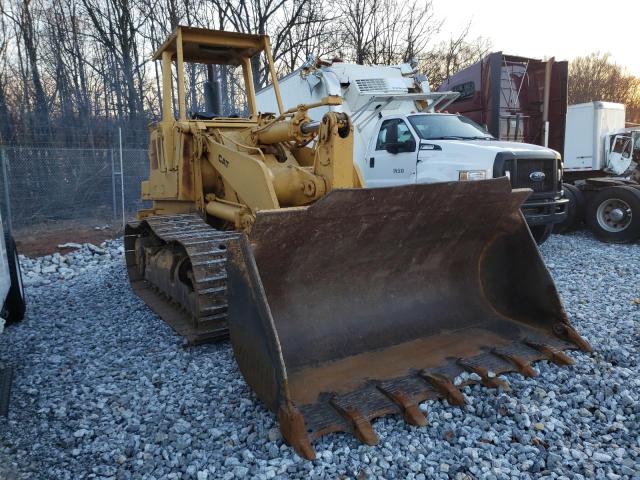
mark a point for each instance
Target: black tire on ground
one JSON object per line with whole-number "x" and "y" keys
{"x": 613, "y": 214}
{"x": 15, "y": 304}
{"x": 541, "y": 233}
{"x": 576, "y": 208}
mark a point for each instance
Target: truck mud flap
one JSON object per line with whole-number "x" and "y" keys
{"x": 371, "y": 301}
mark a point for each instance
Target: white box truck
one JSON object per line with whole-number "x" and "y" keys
{"x": 402, "y": 135}
{"x": 601, "y": 173}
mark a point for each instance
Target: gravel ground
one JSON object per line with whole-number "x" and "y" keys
{"x": 105, "y": 390}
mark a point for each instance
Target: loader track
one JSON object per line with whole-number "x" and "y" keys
{"x": 177, "y": 265}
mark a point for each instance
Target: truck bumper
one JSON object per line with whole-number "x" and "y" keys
{"x": 545, "y": 212}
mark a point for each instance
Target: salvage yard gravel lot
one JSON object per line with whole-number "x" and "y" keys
{"x": 103, "y": 389}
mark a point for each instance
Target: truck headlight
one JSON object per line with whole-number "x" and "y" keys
{"x": 467, "y": 175}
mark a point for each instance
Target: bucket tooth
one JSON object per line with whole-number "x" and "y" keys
{"x": 556, "y": 356}
{"x": 410, "y": 410}
{"x": 445, "y": 386}
{"x": 294, "y": 431}
{"x": 520, "y": 363}
{"x": 487, "y": 380}
{"x": 566, "y": 331}
{"x": 361, "y": 425}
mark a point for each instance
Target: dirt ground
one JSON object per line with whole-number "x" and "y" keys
{"x": 44, "y": 239}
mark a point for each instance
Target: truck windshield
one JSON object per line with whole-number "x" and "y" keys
{"x": 447, "y": 127}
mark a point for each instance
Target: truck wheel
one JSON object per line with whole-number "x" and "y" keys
{"x": 613, "y": 214}
{"x": 15, "y": 303}
{"x": 541, "y": 233}
{"x": 575, "y": 213}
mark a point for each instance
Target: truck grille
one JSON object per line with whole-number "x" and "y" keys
{"x": 523, "y": 169}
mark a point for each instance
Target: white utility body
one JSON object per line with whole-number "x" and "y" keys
{"x": 401, "y": 136}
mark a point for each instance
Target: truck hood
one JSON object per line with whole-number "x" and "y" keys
{"x": 495, "y": 146}
{"x": 453, "y": 156}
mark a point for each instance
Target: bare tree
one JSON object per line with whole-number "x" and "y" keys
{"x": 116, "y": 25}
{"x": 448, "y": 57}
{"x": 420, "y": 27}
{"x": 313, "y": 34}
{"x": 5, "y": 116}
{"x": 386, "y": 31}
{"x": 596, "y": 77}
{"x": 276, "y": 18}
{"x": 25, "y": 25}
{"x": 73, "y": 66}
{"x": 358, "y": 27}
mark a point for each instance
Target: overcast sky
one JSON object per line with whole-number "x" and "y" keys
{"x": 544, "y": 28}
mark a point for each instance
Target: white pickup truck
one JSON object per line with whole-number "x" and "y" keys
{"x": 401, "y": 137}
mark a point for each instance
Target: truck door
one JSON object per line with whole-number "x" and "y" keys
{"x": 620, "y": 156}
{"x": 392, "y": 158}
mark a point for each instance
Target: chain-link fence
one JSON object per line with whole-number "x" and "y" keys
{"x": 48, "y": 184}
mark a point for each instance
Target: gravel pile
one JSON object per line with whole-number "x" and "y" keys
{"x": 82, "y": 258}
{"x": 105, "y": 390}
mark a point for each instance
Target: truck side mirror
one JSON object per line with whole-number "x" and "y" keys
{"x": 409, "y": 146}
{"x": 429, "y": 146}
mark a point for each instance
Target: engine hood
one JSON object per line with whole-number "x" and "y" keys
{"x": 495, "y": 146}
{"x": 450, "y": 157}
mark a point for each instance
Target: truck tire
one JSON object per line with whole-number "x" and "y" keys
{"x": 541, "y": 233}
{"x": 15, "y": 304}
{"x": 613, "y": 214}
{"x": 575, "y": 213}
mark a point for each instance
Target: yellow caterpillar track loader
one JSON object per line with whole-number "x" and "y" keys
{"x": 342, "y": 303}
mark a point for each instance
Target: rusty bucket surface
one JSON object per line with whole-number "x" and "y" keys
{"x": 371, "y": 301}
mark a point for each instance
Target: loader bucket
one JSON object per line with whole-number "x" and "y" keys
{"x": 371, "y": 301}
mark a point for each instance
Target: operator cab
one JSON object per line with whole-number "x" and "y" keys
{"x": 216, "y": 72}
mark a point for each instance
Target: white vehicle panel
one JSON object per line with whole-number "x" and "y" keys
{"x": 609, "y": 118}
{"x": 445, "y": 163}
{"x": 5, "y": 277}
{"x": 579, "y": 144}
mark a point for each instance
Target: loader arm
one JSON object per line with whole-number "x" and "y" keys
{"x": 260, "y": 181}
{"x": 248, "y": 175}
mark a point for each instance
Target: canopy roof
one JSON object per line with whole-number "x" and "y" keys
{"x": 201, "y": 45}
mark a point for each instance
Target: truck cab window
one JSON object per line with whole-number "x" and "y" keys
{"x": 393, "y": 131}
{"x": 445, "y": 126}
